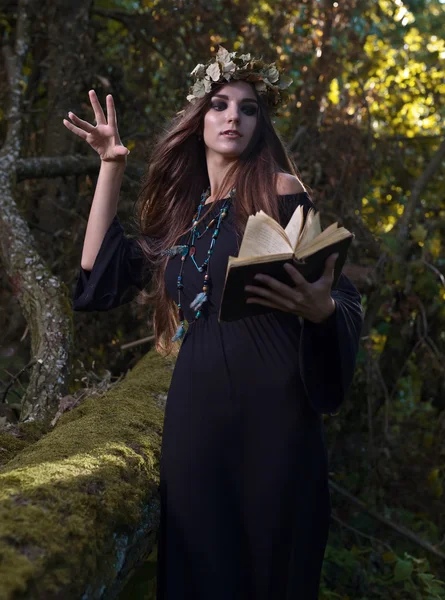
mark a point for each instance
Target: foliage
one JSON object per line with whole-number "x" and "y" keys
{"x": 364, "y": 574}
{"x": 364, "y": 121}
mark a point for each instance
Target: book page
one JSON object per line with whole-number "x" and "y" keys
{"x": 293, "y": 228}
{"x": 329, "y": 236}
{"x": 261, "y": 215}
{"x": 311, "y": 229}
{"x": 319, "y": 238}
{"x": 262, "y": 236}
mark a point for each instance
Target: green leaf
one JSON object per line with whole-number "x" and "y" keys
{"x": 402, "y": 570}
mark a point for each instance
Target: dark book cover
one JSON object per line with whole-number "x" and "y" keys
{"x": 233, "y": 303}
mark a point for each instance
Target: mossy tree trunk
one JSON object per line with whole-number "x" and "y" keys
{"x": 42, "y": 297}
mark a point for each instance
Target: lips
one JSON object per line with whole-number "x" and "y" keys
{"x": 232, "y": 133}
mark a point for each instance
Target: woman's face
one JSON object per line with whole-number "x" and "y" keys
{"x": 233, "y": 107}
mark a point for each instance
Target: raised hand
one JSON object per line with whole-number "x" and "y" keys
{"x": 104, "y": 136}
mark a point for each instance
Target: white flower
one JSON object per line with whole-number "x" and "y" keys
{"x": 222, "y": 54}
{"x": 213, "y": 71}
{"x": 229, "y": 67}
{"x": 198, "y": 89}
{"x": 198, "y": 71}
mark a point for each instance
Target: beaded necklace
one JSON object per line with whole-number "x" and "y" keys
{"x": 189, "y": 250}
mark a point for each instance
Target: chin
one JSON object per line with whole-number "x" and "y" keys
{"x": 231, "y": 153}
{"x": 228, "y": 152}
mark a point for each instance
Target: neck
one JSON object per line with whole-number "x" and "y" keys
{"x": 217, "y": 167}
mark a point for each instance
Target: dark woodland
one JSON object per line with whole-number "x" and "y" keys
{"x": 365, "y": 126}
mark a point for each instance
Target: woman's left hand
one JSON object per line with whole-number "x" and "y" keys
{"x": 312, "y": 301}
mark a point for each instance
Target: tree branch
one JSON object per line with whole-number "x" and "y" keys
{"x": 419, "y": 186}
{"x": 132, "y": 21}
{"x": 57, "y": 166}
{"x": 358, "y": 532}
{"x": 405, "y": 532}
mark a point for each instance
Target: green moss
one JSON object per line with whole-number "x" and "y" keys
{"x": 24, "y": 434}
{"x": 64, "y": 497}
{"x": 33, "y": 430}
{"x": 9, "y": 447}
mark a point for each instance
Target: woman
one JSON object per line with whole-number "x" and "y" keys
{"x": 244, "y": 478}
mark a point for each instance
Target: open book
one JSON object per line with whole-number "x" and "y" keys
{"x": 266, "y": 247}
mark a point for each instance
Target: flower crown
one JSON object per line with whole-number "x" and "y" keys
{"x": 227, "y": 66}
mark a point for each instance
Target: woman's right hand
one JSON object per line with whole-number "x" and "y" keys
{"x": 102, "y": 137}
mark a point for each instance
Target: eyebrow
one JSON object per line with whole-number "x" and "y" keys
{"x": 243, "y": 100}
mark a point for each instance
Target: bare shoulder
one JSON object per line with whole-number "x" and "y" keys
{"x": 288, "y": 184}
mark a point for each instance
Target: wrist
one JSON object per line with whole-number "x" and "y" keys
{"x": 114, "y": 165}
{"x": 327, "y": 315}
{"x": 330, "y": 310}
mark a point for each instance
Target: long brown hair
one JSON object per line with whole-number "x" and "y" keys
{"x": 171, "y": 190}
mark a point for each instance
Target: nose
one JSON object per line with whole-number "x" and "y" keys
{"x": 233, "y": 113}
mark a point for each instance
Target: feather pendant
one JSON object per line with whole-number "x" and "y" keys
{"x": 178, "y": 333}
{"x": 199, "y": 300}
{"x": 174, "y": 250}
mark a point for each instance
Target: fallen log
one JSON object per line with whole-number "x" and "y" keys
{"x": 79, "y": 509}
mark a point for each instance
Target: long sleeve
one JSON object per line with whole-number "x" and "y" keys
{"x": 328, "y": 350}
{"x": 118, "y": 274}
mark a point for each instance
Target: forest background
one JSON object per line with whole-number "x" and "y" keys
{"x": 364, "y": 123}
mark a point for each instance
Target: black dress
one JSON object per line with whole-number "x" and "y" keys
{"x": 245, "y": 503}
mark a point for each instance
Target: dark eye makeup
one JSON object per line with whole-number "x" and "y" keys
{"x": 248, "y": 109}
